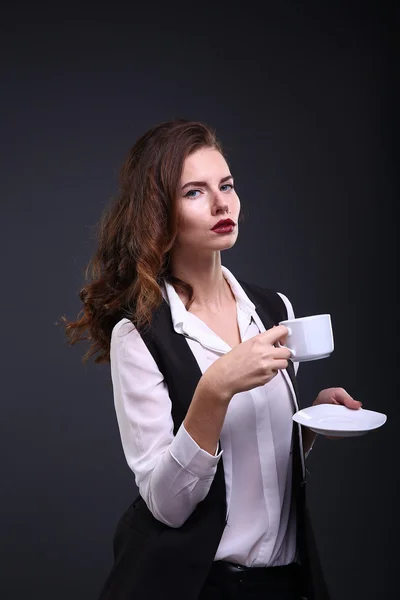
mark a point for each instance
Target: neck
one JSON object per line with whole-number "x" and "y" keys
{"x": 204, "y": 274}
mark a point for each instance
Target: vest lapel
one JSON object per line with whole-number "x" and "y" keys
{"x": 277, "y": 312}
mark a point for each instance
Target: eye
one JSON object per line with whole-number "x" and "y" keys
{"x": 191, "y": 194}
{"x": 227, "y": 185}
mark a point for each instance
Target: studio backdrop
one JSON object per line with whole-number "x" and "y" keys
{"x": 302, "y": 98}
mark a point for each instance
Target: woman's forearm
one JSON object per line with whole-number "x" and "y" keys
{"x": 206, "y": 414}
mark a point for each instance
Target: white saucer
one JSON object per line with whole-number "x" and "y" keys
{"x": 338, "y": 420}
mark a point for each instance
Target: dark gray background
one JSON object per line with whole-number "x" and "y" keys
{"x": 303, "y": 99}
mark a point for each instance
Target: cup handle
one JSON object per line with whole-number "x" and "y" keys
{"x": 293, "y": 352}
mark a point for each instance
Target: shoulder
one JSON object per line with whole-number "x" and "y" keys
{"x": 124, "y": 334}
{"x": 129, "y": 352}
{"x": 121, "y": 329}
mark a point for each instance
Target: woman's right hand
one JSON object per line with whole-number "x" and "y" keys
{"x": 250, "y": 364}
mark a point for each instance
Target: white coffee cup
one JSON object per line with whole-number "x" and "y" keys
{"x": 309, "y": 338}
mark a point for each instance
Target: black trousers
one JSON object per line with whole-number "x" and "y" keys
{"x": 227, "y": 581}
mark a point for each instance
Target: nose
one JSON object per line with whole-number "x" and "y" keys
{"x": 220, "y": 202}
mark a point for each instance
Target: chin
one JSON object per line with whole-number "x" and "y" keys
{"x": 225, "y": 244}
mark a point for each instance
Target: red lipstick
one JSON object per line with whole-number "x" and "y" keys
{"x": 224, "y": 226}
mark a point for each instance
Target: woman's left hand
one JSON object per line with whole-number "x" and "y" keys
{"x": 336, "y": 396}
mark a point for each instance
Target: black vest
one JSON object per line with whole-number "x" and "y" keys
{"x": 152, "y": 560}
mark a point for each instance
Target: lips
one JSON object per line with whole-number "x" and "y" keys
{"x": 224, "y": 223}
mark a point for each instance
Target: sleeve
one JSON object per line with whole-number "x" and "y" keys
{"x": 173, "y": 473}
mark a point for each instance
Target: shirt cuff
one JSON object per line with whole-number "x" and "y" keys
{"x": 191, "y": 457}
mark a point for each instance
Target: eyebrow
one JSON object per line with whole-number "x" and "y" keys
{"x": 203, "y": 183}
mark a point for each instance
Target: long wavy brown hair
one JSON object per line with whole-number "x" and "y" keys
{"x": 135, "y": 235}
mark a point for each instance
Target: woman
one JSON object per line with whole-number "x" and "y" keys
{"x": 203, "y": 394}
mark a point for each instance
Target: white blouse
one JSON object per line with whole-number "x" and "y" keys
{"x": 174, "y": 474}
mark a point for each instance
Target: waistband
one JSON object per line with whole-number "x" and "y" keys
{"x": 287, "y": 577}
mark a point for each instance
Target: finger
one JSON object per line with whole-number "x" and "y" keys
{"x": 280, "y": 364}
{"x": 344, "y": 398}
{"x": 275, "y": 333}
{"x": 281, "y": 342}
{"x": 281, "y": 353}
